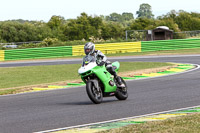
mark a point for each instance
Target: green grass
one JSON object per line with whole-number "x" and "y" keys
{"x": 31, "y": 75}
{"x": 23, "y": 76}
{"x": 184, "y": 124}
{"x": 8, "y": 91}
{"x": 134, "y": 66}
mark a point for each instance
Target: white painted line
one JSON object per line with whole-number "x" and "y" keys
{"x": 115, "y": 120}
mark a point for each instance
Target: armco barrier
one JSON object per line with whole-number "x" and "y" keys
{"x": 33, "y": 53}
{"x": 110, "y": 48}
{"x": 170, "y": 44}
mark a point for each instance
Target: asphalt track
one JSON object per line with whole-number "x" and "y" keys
{"x": 38, "y": 111}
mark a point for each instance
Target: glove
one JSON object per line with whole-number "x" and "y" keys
{"x": 101, "y": 63}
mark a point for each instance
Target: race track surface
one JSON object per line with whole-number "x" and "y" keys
{"x": 38, "y": 111}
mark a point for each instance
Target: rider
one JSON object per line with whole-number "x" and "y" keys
{"x": 97, "y": 55}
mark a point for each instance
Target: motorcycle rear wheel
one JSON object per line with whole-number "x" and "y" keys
{"x": 94, "y": 95}
{"x": 122, "y": 93}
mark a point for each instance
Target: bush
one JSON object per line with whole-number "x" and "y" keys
{"x": 49, "y": 41}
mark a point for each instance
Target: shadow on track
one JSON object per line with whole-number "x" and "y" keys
{"x": 88, "y": 102}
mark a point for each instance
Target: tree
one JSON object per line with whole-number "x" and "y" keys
{"x": 127, "y": 16}
{"x": 145, "y": 11}
{"x": 114, "y": 17}
{"x": 125, "y": 19}
{"x": 170, "y": 15}
{"x": 55, "y": 22}
{"x": 142, "y": 24}
{"x": 169, "y": 23}
{"x": 120, "y": 18}
{"x": 95, "y": 21}
{"x": 13, "y": 31}
{"x": 112, "y": 30}
{"x": 195, "y": 14}
{"x": 186, "y": 22}
{"x": 84, "y": 27}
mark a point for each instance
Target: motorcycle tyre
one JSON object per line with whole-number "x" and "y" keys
{"x": 91, "y": 95}
{"x": 119, "y": 94}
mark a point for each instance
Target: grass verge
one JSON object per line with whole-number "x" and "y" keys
{"x": 32, "y": 75}
{"x": 184, "y": 124}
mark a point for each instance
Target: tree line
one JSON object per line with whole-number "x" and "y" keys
{"x": 85, "y": 26}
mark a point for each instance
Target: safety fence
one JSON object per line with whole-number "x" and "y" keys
{"x": 108, "y": 48}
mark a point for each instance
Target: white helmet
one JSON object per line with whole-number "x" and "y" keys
{"x": 89, "y": 48}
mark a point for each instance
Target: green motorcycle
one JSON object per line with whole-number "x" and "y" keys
{"x": 100, "y": 83}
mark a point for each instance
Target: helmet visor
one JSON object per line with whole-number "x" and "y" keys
{"x": 87, "y": 51}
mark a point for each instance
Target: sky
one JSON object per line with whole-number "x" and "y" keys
{"x": 43, "y": 10}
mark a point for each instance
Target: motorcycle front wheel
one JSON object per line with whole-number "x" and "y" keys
{"x": 122, "y": 93}
{"x": 94, "y": 94}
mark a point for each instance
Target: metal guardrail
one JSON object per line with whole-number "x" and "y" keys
{"x": 15, "y": 44}
{"x": 19, "y": 43}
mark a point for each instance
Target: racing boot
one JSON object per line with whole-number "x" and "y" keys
{"x": 119, "y": 81}
{"x": 117, "y": 78}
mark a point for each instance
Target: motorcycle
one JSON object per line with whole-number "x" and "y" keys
{"x": 100, "y": 83}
